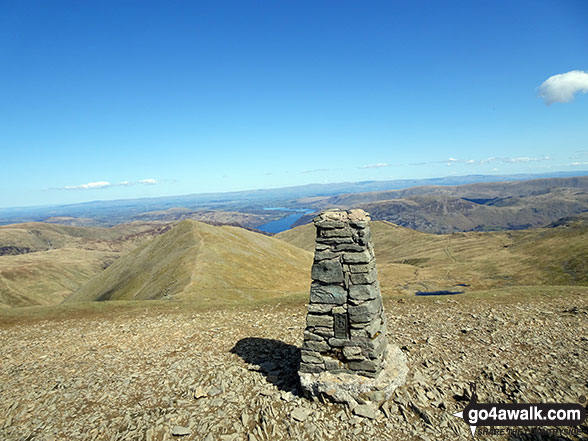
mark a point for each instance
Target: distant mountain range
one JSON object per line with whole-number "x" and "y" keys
{"x": 514, "y": 205}
{"x": 245, "y": 208}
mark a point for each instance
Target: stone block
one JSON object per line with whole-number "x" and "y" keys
{"x": 323, "y": 332}
{"x": 361, "y": 267}
{"x": 364, "y": 278}
{"x": 332, "y": 364}
{"x": 317, "y": 346}
{"x": 337, "y": 232}
{"x": 360, "y": 257}
{"x": 365, "y": 311}
{"x": 319, "y": 320}
{"x": 312, "y": 336}
{"x": 348, "y": 247}
{"x": 325, "y": 254}
{"x": 364, "y": 365}
{"x": 334, "y": 240}
{"x": 327, "y": 271}
{"x": 311, "y": 357}
{"x": 363, "y": 292}
{"x": 320, "y": 308}
{"x": 352, "y": 353}
{"x": 311, "y": 368}
{"x": 331, "y": 294}
{"x": 329, "y": 224}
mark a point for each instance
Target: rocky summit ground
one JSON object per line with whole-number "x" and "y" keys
{"x": 180, "y": 372}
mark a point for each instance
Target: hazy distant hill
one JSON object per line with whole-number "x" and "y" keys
{"x": 41, "y": 264}
{"x": 198, "y": 261}
{"x": 474, "y": 207}
{"x": 251, "y": 202}
{"x": 410, "y": 260}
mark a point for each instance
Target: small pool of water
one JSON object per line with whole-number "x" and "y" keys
{"x": 437, "y": 293}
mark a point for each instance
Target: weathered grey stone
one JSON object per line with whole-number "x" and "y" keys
{"x": 324, "y": 332}
{"x": 364, "y": 365}
{"x": 332, "y": 364}
{"x": 367, "y": 343}
{"x": 334, "y": 240}
{"x": 338, "y": 342}
{"x": 327, "y": 224}
{"x": 364, "y": 237}
{"x": 301, "y": 414}
{"x": 363, "y": 292}
{"x": 320, "y": 320}
{"x": 345, "y": 321}
{"x": 318, "y": 346}
{"x": 359, "y": 224}
{"x": 311, "y": 336}
{"x": 366, "y": 411}
{"x": 361, "y": 267}
{"x": 325, "y": 254}
{"x": 327, "y": 271}
{"x": 311, "y": 357}
{"x": 331, "y": 294}
{"x": 320, "y": 308}
{"x": 365, "y": 311}
{"x": 364, "y": 278}
{"x": 348, "y": 247}
{"x": 352, "y": 353}
{"x": 351, "y": 388}
{"x": 337, "y": 232}
{"x": 359, "y": 257}
{"x": 180, "y": 431}
{"x": 355, "y": 332}
{"x": 311, "y": 368}
{"x": 374, "y": 328}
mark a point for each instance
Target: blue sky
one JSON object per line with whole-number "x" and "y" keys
{"x": 107, "y": 100}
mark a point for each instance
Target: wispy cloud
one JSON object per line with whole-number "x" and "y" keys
{"x": 515, "y": 159}
{"x": 105, "y": 184}
{"x": 504, "y": 160}
{"x": 561, "y": 88}
{"x": 378, "y": 165}
{"x": 89, "y": 186}
{"x": 578, "y": 164}
{"x": 148, "y": 181}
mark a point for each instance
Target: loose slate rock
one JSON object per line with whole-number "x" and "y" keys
{"x": 301, "y": 413}
{"x": 181, "y": 431}
{"x": 366, "y": 411}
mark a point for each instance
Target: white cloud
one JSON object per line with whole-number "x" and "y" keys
{"x": 89, "y": 186}
{"x": 561, "y": 88}
{"x": 515, "y": 159}
{"x": 576, "y": 164}
{"x": 378, "y": 165}
{"x": 106, "y": 184}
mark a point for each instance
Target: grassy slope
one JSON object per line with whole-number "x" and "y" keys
{"x": 199, "y": 261}
{"x": 61, "y": 258}
{"x": 409, "y": 260}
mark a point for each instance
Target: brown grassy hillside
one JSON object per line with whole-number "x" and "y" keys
{"x": 198, "y": 261}
{"x": 41, "y": 264}
{"x": 410, "y": 260}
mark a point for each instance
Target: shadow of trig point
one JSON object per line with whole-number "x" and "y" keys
{"x": 346, "y": 356}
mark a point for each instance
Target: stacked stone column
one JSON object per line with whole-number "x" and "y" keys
{"x": 345, "y": 325}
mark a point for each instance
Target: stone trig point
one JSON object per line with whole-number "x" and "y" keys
{"x": 346, "y": 355}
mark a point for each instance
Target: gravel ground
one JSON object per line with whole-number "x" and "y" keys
{"x": 231, "y": 374}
